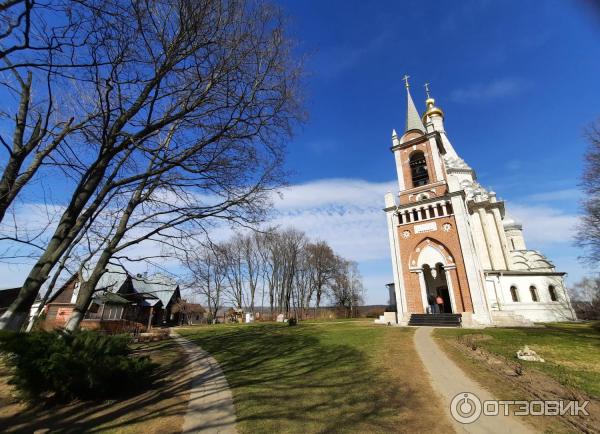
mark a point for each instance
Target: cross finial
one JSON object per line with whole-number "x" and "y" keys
{"x": 427, "y": 89}
{"x": 405, "y": 78}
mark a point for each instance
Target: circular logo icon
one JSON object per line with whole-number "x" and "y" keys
{"x": 465, "y": 408}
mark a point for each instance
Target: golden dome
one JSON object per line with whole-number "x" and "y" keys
{"x": 431, "y": 109}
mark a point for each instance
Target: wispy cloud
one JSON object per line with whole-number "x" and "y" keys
{"x": 331, "y": 61}
{"x": 486, "y": 92}
{"x": 347, "y": 213}
{"x": 544, "y": 225}
{"x": 567, "y": 194}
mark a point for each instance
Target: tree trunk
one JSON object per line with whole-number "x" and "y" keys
{"x": 67, "y": 230}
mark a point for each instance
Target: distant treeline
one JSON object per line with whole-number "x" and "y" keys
{"x": 280, "y": 269}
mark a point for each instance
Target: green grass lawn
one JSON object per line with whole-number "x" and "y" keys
{"x": 344, "y": 376}
{"x": 571, "y": 350}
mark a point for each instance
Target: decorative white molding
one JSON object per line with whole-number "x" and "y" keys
{"x": 425, "y": 227}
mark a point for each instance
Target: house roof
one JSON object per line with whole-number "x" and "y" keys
{"x": 151, "y": 302}
{"x": 112, "y": 280}
{"x": 156, "y": 287}
{"x": 8, "y": 295}
{"x": 159, "y": 286}
{"x": 109, "y": 297}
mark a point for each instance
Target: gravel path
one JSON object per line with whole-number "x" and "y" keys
{"x": 210, "y": 410}
{"x": 448, "y": 380}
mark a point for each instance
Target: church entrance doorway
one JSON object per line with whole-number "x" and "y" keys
{"x": 445, "y": 294}
{"x": 436, "y": 285}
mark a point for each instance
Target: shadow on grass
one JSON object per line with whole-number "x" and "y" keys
{"x": 168, "y": 389}
{"x": 287, "y": 379}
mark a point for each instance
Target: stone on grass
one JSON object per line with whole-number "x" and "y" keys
{"x": 528, "y": 354}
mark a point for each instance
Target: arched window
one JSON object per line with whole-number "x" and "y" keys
{"x": 514, "y": 294}
{"x": 418, "y": 169}
{"x": 534, "y": 296}
{"x": 552, "y": 291}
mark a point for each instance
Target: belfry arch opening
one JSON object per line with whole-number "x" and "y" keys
{"x": 418, "y": 169}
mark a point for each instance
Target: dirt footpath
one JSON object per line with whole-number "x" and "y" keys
{"x": 448, "y": 380}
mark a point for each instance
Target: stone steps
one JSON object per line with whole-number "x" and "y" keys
{"x": 436, "y": 319}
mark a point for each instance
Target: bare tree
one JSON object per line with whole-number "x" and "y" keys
{"x": 347, "y": 287}
{"x": 585, "y": 298}
{"x": 292, "y": 245}
{"x": 187, "y": 311}
{"x": 218, "y": 70}
{"x": 323, "y": 264}
{"x": 252, "y": 263}
{"x": 588, "y": 231}
{"x": 302, "y": 283}
{"x": 37, "y": 52}
{"x": 268, "y": 251}
{"x": 235, "y": 271}
{"x": 208, "y": 277}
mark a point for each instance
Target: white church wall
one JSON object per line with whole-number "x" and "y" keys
{"x": 437, "y": 162}
{"x": 472, "y": 262}
{"x": 399, "y": 170}
{"x": 479, "y": 239}
{"x": 501, "y": 236}
{"x": 516, "y": 240}
{"x": 396, "y": 261}
{"x": 493, "y": 240}
{"x": 544, "y": 310}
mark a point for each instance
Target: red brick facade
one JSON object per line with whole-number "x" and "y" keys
{"x": 446, "y": 241}
{"x": 450, "y": 243}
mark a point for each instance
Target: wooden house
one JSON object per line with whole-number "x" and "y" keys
{"x": 136, "y": 301}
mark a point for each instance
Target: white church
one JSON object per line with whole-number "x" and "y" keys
{"x": 451, "y": 240}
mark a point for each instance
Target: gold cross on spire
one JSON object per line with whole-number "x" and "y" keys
{"x": 405, "y": 78}
{"x": 427, "y": 89}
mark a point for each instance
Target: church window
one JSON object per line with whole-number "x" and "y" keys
{"x": 423, "y": 214}
{"x": 418, "y": 169}
{"x": 415, "y": 216}
{"x": 449, "y": 207}
{"x": 514, "y": 294}
{"x": 552, "y": 291}
{"x": 533, "y": 291}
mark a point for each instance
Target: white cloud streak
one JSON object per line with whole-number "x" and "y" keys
{"x": 486, "y": 92}
{"x": 347, "y": 213}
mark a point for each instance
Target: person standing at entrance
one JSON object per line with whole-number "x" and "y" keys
{"x": 440, "y": 303}
{"x": 431, "y": 303}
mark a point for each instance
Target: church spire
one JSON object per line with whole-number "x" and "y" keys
{"x": 413, "y": 120}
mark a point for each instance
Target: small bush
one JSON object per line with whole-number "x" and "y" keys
{"x": 292, "y": 322}
{"x": 83, "y": 364}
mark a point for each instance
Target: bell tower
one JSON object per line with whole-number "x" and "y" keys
{"x": 453, "y": 248}
{"x": 426, "y": 249}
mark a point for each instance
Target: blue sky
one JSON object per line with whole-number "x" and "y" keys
{"x": 518, "y": 81}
